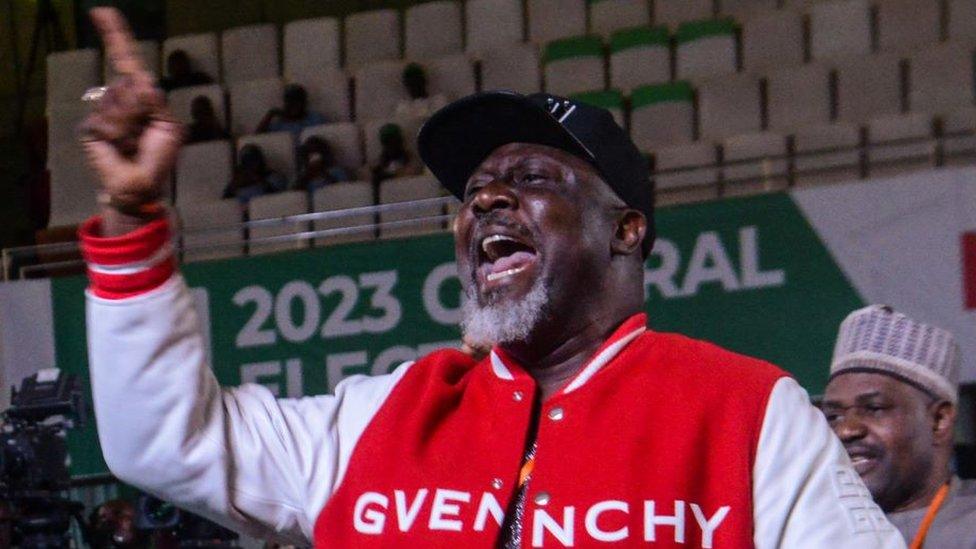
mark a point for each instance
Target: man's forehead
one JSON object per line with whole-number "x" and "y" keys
{"x": 853, "y": 385}
{"x": 511, "y": 154}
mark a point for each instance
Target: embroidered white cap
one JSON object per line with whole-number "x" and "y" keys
{"x": 879, "y": 339}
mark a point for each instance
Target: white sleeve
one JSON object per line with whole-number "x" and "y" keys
{"x": 239, "y": 456}
{"x": 805, "y": 491}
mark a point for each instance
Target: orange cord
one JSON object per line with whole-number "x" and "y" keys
{"x": 526, "y": 471}
{"x": 923, "y": 530}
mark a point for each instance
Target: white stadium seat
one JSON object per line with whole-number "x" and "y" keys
{"x": 372, "y": 36}
{"x": 328, "y": 92}
{"x": 270, "y": 206}
{"x": 250, "y": 53}
{"x": 379, "y": 87}
{"x": 941, "y": 79}
{"x": 211, "y": 230}
{"x": 754, "y": 163}
{"x": 343, "y": 196}
{"x": 513, "y": 67}
{"x": 404, "y": 189}
{"x": 674, "y": 12}
{"x": 827, "y": 153}
{"x": 607, "y": 16}
{"x": 867, "y": 87}
{"x": 662, "y": 115}
{"x": 840, "y": 28}
{"x": 574, "y": 65}
{"x": 344, "y": 138}
{"x": 311, "y": 46}
{"x": 744, "y": 10}
{"x": 958, "y": 129}
{"x": 554, "y": 19}
{"x": 905, "y": 26}
{"x": 202, "y": 171}
{"x": 798, "y": 96}
{"x": 772, "y": 40}
{"x": 900, "y": 143}
{"x": 962, "y": 20}
{"x": 433, "y": 29}
{"x": 452, "y": 76}
{"x": 63, "y": 120}
{"x": 73, "y": 187}
{"x": 70, "y": 74}
{"x": 278, "y": 148}
{"x": 705, "y": 49}
{"x": 181, "y": 99}
{"x": 491, "y": 24}
{"x": 250, "y": 101}
{"x": 729, "y": 106}
{"x": 685, "y": 173}
{"x": 639, "y": 56}
{"x": 202, "y": 50}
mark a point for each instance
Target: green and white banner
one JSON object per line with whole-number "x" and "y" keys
{"x": 770, "y": 276}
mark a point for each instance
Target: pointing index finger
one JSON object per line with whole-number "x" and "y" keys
{"x": 120, "y": 46}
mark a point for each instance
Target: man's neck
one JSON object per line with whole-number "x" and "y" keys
{"x": 923, "y": 498}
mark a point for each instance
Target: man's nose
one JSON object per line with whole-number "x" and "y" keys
{"x": 494, "y": 196}
{"x": 850, "y": 428}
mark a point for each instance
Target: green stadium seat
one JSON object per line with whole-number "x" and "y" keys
{"x": 574, "y": 65}
{"x": 639, "y": 56}
{"x": 662, "y": 115}
{"x": 705, "y": 48}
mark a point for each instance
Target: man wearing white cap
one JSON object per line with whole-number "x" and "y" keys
{"x": 892, "y": 399}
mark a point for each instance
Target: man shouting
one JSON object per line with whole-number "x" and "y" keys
{"x": 581, "y": 427}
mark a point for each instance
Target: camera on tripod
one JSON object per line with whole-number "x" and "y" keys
{"x": 34, "y": 458}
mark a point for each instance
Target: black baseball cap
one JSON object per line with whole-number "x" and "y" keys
{"x": 458, "y": 138}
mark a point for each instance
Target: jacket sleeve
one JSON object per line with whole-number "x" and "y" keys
{"x": 238, "y": 456}
{"x": 805, "y": 491}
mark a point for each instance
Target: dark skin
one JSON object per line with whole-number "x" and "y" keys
{"x": 587, "y": 247}
{"x": 899, "y": 438}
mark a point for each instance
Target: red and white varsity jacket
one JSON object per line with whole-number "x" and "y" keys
{"x": 660, "y": 440}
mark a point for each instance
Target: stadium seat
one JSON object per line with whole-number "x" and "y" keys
{"x": 754, "y": 163}
{"x": 181, "y": 99}
{"x": 959, "y": 141}
{"x": 343, "y": 196}
{"x": 705, "y": 49}
{"x": 730, "y": 105}
{"x": 639, "y": 56}
{"x": 827, "y": 154}
{"x": 941, "y": 79}
{"x": 379, "y": 88}
{"x": 63, "y": 120}
{"x": 867, "y": 87}
{"x": 609, "y": 16}
{"x": 772, "y": 40}
{"x": 838, "y": 29}
{"x": 662, "y": 115}
{"x": 328, "y": 92}
{"x": 900, "y": 143}
{"x": 372, "y": 36}
{"x": 250, "y": 101}
{"x": 311, "y": 47}
{"x": 202, "y": 172}
{"x": 685, "y": 173}
{"x": 490, "y": 24}
{"x": 148, "y": 50}
{"x": 371, "y": 136}
{"x": 250, "y": 53}
{"x": 70, "y": 74}
{"x": 551, "y": 20}
{"x": 744, "y": 10}
{"x": 73, "y": 187}
{"x": 675, "y": 12}
{"x": 404, "y": 189}
{"x": 279, "y": 151}
{"x": 345, "y": 140}
{"x": 451, "y": 75}
{"x": 272, "y": 206}
{"x": 905, "y": 26}
{"x": 798, "y": 96}
{"x": 433, "y": 29}
{"x": 202, "y": 50}
{"x": 211, "y": 230}
{"x": 513, "y": 67}
{"x": 612, "y": 100}
{"x": 574, "y": 65}
{"x": 962, "y": 20}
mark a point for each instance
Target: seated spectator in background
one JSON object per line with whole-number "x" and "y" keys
{"x": 317, "y": 166}
{"x": 113, "y": 525}
{"x": 181, "y": 74}
{"x": 421, "y": 104}
{"x": 205, "y": 126}
{"x": 294, "y": 116}
{"x": 892, "y": 399}
{"x": 395, "y": 160}
{"x": 252, "y": 177}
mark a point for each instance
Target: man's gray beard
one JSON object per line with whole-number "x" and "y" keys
{"x": 499, "y": 323}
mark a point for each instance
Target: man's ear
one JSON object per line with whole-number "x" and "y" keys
{"x": 943, "y": 414}
{"x": 631, "y": 226}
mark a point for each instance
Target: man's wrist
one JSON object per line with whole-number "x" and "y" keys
{"x": 117, "y": 221}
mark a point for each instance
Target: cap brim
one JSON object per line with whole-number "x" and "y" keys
{"x": 458, "y": 138}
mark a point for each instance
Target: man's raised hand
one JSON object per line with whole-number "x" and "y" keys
{"x": 130, "y": 138}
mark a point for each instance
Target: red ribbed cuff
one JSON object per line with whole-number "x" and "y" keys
{"x": 128, "y": 265}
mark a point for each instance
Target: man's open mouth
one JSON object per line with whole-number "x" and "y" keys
{"x": 863, "y": 459}
{"x": 502, "y": 256}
